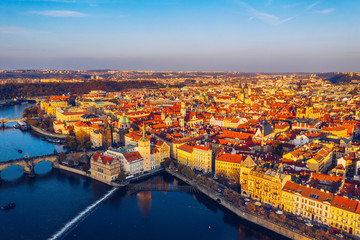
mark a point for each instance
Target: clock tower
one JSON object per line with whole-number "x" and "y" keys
{"x": 144, "y": 150}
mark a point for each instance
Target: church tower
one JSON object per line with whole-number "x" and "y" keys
{"x": 241, "y": 95}
{"x": 163, "y": 114}
{"x": 181, "y": 122}
{"x": 144, "y": 150}
{"x": 183, "y": 109}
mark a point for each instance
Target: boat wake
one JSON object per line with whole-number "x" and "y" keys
{"x": 81, "y": 216}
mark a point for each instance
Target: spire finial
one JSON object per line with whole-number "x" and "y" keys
{"x": 143, "y": 131}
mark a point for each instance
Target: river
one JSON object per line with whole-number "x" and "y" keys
{"x": 48, "y": 204}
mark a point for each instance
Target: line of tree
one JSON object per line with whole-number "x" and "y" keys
{"x": 78, "y": 142}
{"x": 35, "y": 112}
{"x": 201, "y": 180}
{"x": 11, "y": 90}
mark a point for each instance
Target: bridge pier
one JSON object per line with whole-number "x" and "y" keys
{"x": 29, "y": 168}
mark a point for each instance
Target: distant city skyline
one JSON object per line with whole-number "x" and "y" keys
{"x": 181, "y": 35}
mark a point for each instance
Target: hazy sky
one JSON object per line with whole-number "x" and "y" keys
{"x": 175, "y": 35}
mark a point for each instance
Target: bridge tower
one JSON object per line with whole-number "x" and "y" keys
{"x": 2, "y": 124}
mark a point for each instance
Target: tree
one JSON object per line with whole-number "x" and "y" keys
{"x": 70, "y": 142}
{"x": 121, "y": 176}
{"x": 277, "y": 147}
{"x": 172, "y": 165}
{"x": 221, "y": 177}
{"x": 167, "y": 162}
{"x": 250, "y": 207}
{"x": 71, "y": 163}
{"x": 62, "y": 157}
{"x": 82, "y": 140}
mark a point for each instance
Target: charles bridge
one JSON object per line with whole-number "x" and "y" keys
{"x": 28, "y": 163}
{"x": 3, "y": 121}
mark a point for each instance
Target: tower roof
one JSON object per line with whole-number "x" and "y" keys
{"x": 143, "y": 137}
{"x": 124, "y": 119}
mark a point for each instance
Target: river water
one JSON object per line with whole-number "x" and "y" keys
{"x": 48, "y": 204}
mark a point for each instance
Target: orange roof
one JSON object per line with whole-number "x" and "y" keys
{"x": 132, "y": 156}
{"x": 344, "y": 203}
{"x": 104, "y": 159}
{"x": 201, "y": 147}
{"x": 186, "y": 148}
{"x": 228, "y": 157}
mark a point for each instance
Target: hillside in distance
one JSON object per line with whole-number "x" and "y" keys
{"x": 8, "y": 91}
{"x": 339, "y": 78}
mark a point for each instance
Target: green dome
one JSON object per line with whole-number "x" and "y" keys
{"x": 124, "y": 119}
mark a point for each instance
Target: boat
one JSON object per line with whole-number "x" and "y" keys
{"x": 54, "y": 140}
{"x": 24, "y": 102}
{"x": 19, "y": 151}
{"x": 8, "y": 206}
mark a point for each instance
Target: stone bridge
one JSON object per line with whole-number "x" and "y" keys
{"x": 3, "y": 121}
{"x": 29, "y": 163}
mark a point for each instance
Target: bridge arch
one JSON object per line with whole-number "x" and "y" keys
{"x": 11, "y": 172}
{"x": 43, "y": 167}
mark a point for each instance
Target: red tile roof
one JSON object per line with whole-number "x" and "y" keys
{"x": 344, "y": 203}
{"x": 228, "y": 157}
{"x": 104, "y": 159}
{"x": 132, "y": 156}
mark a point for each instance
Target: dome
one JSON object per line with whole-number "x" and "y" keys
{"x": 124, "y": 120}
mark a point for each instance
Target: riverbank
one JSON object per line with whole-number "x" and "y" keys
{"x": 47, "y": 134}
{"x": 286, "y": 232}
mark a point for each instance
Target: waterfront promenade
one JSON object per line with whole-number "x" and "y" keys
{"x": 48, "y": 134}
{"x": 28, "y": 164}
{"x": 241, "y": 212}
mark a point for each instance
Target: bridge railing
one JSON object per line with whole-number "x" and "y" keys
{"x": 36, "y": 157}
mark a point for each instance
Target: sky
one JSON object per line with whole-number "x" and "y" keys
{"x": 181, "y": 35}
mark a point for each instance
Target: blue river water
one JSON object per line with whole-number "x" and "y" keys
{"x": 53, "y": 198}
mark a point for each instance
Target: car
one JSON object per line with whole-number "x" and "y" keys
{"x": 247, "y": 200}
{"x": 309, "y": 224}
{"x": 257, "y": 203}
{"x": 334, "y": 230}
{"x": 339, "y": 235}
{"x": 279, "y": 212}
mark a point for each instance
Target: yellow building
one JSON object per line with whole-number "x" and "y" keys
{"x": 321, "y": 161}
{"x": 246, "y": 167}
{"x": 229, "y": 122}
{"x": 185, "y": 155}
{"x": 343, "y": 214}
{"x": 50, "y": 107}
{"x": 308, "y": 112}
{"x": 229, "y": 164}
{"x": 69, "y": 115}
{"x": 340, "y": 132}
{"x": 295, "y": 155}
{"x": 160, "y": 152}
{"x": 357, "y": 223}
{"x": 313, "y": 204}
{"x": 104, "y": 168}
{"x": 288, "y": 196}
{"x": 266, "y": 186}
{"x": 202, "y": 158}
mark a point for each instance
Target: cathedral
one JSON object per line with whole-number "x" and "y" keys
{"x": 243, "y": 96}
